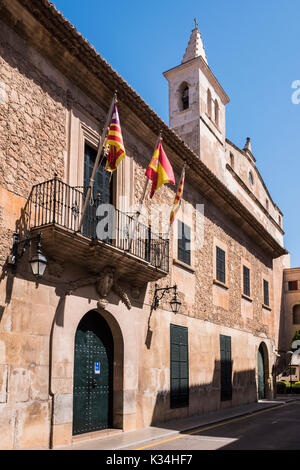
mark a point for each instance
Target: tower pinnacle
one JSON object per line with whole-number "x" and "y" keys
{"x": 195, "y": 46}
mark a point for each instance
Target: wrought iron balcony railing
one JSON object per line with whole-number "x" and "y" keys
{"x": 54, "y": 202}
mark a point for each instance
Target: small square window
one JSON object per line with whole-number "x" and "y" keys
{"x": 293, "y": 285}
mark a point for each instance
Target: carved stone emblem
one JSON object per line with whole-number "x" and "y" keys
{"x": 104, "y": 282}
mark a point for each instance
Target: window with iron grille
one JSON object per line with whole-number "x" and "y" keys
{"x": 226, "y": 367}
{"x": 246, "y": 280}
{"x": 184, "y": 243}
{"x": 266, "y": 293}
{"x": 179, "y": 367}
{"x": 220, "y": 261}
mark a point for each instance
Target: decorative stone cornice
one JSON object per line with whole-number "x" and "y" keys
{"x": 253, "y": 197}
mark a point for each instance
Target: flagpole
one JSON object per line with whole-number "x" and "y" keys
{"x": 183, "y": 169}
{"x": 98, "y": 161}
{"x": 170, "y": 224}
{"x": 138, "y": 212}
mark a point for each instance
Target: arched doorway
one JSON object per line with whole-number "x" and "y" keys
{"x": 262, "y": 370}
{"x": 93, "y": 375}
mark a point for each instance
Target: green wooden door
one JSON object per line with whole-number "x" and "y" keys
{"x": 93, "y": 375}
{"x": 260, "y": 375}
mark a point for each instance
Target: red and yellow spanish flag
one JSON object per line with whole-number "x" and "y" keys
{"x": 177, "y": 199}
{"x": 114, "y": 142}
{"x": 159, "y": 170}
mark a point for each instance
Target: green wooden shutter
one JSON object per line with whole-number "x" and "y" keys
{"x": 179, "y": 367}
{"x": 102, "y": 190}
{"x": 220, "y": 262}
{"x": 226, "y": 368}
{"x": 266, "y": 292}
{"x": 184, "y": 242}
{"x": 246, "y": 272}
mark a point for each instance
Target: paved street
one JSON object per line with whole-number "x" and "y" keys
{"x": 270, "y": 429}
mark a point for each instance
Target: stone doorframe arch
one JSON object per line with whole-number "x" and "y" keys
{"x": 125, "y": 376}
{"x": 268, "y": 378}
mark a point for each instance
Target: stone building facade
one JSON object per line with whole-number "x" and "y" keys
{"x": 291, "y": 319}
{"x": 219, "y": 350}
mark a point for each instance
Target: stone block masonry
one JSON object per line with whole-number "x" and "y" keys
{"x": 32, "y": 123}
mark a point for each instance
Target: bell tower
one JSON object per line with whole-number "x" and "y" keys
{"x": 196, "y": 100}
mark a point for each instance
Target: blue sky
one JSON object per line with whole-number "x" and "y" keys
{"x": 252, "y": 47}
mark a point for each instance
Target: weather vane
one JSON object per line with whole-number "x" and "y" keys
{"x": 196, "y": 22}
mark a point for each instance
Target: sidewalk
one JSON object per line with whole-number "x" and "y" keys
{"x": 121, "y": 440}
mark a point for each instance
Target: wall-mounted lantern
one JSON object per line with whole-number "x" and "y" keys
{"x": 174, "y": 302}
{"x": 38, "y": 262}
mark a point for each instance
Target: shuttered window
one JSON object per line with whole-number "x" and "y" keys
{"x": 226, "y": 367}
{"x": 266, "y": 292}
{"x": 102, "y": 194}
{"x": 102, "y": 189}
{"x": 184, "y": 242}
{"x": 246, "y": 280}
{"x": 220, "y": 268}
{"x": 293, "y": 285}
{"x": 179, "y": 367}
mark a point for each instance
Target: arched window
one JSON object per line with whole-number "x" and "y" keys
{"x": 232, "y": 160}
{"x": 216, "y": 113}
{"x": 296, "y": 314}
{"x": 209, "y": 103}
{"x": 185, "y": 97}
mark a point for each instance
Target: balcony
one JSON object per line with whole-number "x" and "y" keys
{"x": 54, "y": 209}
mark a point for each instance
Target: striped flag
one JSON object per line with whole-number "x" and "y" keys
{"x": 114, "y": 143}
{"x": 177, "y": 199}
{"x": 159, "y": 170}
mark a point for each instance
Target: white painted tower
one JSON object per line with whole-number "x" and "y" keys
{"x": 197, "y": 101}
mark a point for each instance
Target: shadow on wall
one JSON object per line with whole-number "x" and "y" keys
{"x": 206, "y": 397}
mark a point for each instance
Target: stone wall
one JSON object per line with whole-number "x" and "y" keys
{"x": 32, "y": 145}
{"x": 208, "y": 301}
{"x": 32, "y": 116}
{"x": 32, "y": 131}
